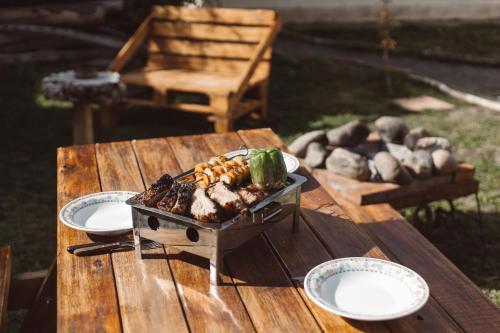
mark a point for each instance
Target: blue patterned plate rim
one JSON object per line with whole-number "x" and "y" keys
{"x": 76, "y": 204}
{"x": 332, "y": 267}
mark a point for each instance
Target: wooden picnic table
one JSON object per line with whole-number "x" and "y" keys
{"x": 171, "y": 291}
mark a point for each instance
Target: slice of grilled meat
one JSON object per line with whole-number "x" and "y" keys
{"x": 184, "y": 195}
{"x": 250, "y": 194}
{"x": 230, "y": 202}
{"x": 202, "y": 208}
{"x": 157, "y": 190}
{"x": 169, "y": 199}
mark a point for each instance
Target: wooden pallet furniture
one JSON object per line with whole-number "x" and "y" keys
{"x": 171, "y": 291}
{"x": 223, "y": 54}
{"x": 419, "y": 191}
{"x": 34, "y": 291}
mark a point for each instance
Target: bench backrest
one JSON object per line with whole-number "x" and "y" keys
{"x": 212, "y": 39}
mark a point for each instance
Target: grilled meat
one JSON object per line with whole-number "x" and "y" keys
{"x": 230, "y": 202}
{"x": 157, "y": 190}
{"x": 169, "y": 199}
{"x": 184, "y": 194}
{"x": 202, "y": 208}
{"x": 250, "y": 194}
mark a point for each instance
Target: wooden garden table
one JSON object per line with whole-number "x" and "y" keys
{"x": 171, "y": 291}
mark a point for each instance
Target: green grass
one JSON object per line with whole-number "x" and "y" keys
{"x": 305, "y": 96}
{"x": 477, "y": 39}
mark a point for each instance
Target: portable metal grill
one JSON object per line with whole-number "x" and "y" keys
{"x": 214, "y": 240}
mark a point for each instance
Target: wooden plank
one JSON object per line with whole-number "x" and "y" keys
{"x": 87, "y": 299}
{"x": 223, "y": 143}
{"x": 42, "y": 314}
{"x": 299, "y": 252}
{"x": 255, "y": 60}
{"x": 131, "y": 46}
{"x": 160, "y": 61}
{"x": 204, "y": 48}
{"x": 447, "y": 191}
{"x": 146, "y": 291}
{"x": 207, "y": 308}
{"x": 465, "y": 171}
{"x": 419, "y": 191}
{"x": 459, "y": 296}
{"x": 166, "y": 81}
{"x": 5, "y": 271}
{"x": 215, "y": 15}
{"x": 343, "y": 238}
{"x": 270, "y": 308}
{"x": 208, "y": 32}
{"x": 270, "y": 298}
{"x": 24, "y": 288}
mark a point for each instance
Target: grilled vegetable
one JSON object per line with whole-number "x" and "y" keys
{"x": 267, "y": 168}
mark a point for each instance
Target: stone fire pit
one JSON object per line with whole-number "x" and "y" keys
{"x": 393, "y": 153}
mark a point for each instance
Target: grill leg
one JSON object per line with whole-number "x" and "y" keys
{"x": 295, "y": 224}
{"x": 215, "y": 269}
{"x": 137, "y": 243}
{"x": 296, "y": 214}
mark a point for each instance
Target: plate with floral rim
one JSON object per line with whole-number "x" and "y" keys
{"x": 366, "y": 288}
{"x": 102, "y": 213}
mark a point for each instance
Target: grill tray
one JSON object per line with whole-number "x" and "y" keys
{"x": 214, "y": 240}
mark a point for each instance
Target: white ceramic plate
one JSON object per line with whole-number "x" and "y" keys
{"x": 103, "y": 213}
{"x": 292, "y": 163}
{"x": 366, "y": 288}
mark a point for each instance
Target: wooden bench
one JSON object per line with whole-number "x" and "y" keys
{"x": 223, "y": 54}
{"x": 5, "y": 270}
{"x": 31, "y": 290}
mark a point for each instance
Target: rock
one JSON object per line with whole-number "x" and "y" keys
{"x": 348, "y": 164}
{"x": 390, "y": 169}
{"x": 433, "y": 143}
{"x": 349, "y": 134}
{"x": 443, "y": 161}
{"x": 369, "y": 148}
{"x": 400, "y": 152}
{"x": 391, "y": 129}
{"x": 315, "y": 155}
{"x": 414, "y": 135}
{"x": 299, "y": 145}
{"x": 420, "y": 164}
{"x": 375, "y": 175}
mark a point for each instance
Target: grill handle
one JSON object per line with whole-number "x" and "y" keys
{"x": 267, "y": 213}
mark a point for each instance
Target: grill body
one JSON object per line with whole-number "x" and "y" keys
{"x": 214, "y": 240}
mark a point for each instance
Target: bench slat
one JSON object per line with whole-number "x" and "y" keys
{"x": 204, "y": 31}
{"x": 215, "y": 49}
{"x": 215, "y": 15}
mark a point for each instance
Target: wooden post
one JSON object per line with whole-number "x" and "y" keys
{"x": 83, "y": 131}
{"x": 5, "y": 270}
{"x": 222, "y": 108}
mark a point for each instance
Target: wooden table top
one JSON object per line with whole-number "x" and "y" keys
{"x": 171, "y": 292}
